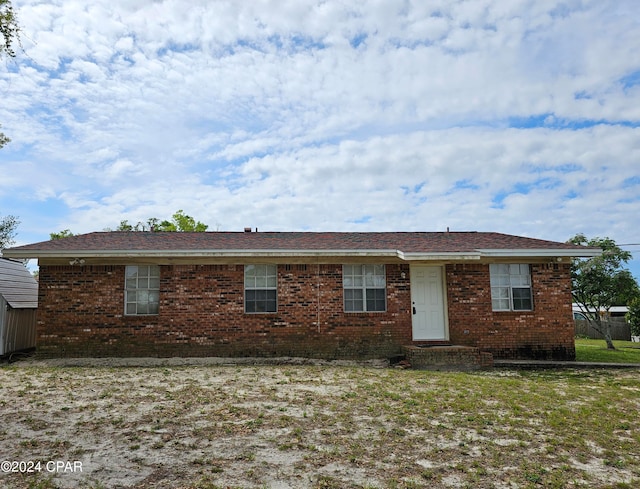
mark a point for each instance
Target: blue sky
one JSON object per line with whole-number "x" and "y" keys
{"x": 519, "y": 117}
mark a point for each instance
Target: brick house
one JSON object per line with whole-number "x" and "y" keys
{"x": 324, "y": 295}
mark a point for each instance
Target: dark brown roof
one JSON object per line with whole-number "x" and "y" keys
{"x": 405, "y": 242}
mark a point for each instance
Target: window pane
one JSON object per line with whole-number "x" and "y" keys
{"x": 353, "y": 300}
{"x": 376, "y": 300}
{"x": 250, "y": 301}
{"x": 500, "y": 280}
{"x": 522, "y": 299}
{"x": 364, "y": 288}
{"x": 260, "y": 288}
{"x": 142, "y": 294}
{"x": 271, "y": 304}
{"x": 500, "y": 304}
{"x": 374, "y": 276}
{"x": 348, "y": 270}
{"x": 354, "y": 294}
{"x": 511, "y": 287}
{"x": 358, "y": 280}
{"x": 499, "y": 269}
{"x": 379, "y": 282}
{"x": 514, "y": 269}
{"x": 369, "y": 272}
{"x": 499, "y": 293}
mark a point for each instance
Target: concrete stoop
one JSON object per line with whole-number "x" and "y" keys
{"x": 447, "y": 357}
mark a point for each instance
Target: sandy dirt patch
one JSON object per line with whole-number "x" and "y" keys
{"x": 207, "y": 423}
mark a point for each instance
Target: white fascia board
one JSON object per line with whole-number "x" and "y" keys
{"x": 197, "y": 253}
{"x": 541, "y": 252}
{"x": 439, "y": 256}
{"x": 405, "y": 256}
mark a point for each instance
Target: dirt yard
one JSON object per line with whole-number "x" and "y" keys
{"x": 194, "y": 424}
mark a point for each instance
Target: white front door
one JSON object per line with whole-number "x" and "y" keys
{"x": 427, "y": 304}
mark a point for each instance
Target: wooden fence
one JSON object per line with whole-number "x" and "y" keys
{"x": 620, "y": 329}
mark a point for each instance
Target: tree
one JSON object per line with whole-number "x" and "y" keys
{"x": 9, "y": 34}
{"x": 633, "y": 316}
{"x": 9, "y": 29}
{"x": 180, "y": 222}
{"x": 3, "y": 139}
{"x": 125, "y": 226}
{"x": 601, "y": 282}
{"x": 8, "y": 225}
{"x": 66, "y": 233}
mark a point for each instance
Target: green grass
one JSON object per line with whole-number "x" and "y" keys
{"x": 596, "y": 351}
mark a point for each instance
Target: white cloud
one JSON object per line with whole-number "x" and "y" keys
{"x": 326, "y": 115}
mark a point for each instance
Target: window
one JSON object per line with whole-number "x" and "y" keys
{"x": 364, "y": 288}
{"x": 142, "y": 290}
{"x": 510, "y": 287}
{"x": 260, "y": 288}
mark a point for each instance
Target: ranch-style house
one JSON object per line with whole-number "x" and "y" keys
{"x": 312, "y": 294}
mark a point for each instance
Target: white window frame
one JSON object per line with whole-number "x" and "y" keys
{"x": 260, "y": 280}
{"x": 507, "y": 278}
{"x": 362, "y": 284}
{"x": 142, "y": 290}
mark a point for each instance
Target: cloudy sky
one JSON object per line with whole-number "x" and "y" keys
{"x": 517, "y": 116}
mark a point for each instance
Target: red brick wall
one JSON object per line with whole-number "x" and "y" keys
{"x": 547, "y": 332}
{"x": 202, "y": 314}
{"x": 81, "y": 313}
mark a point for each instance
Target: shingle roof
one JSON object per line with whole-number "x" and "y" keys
{"x": 403, "y": 242}
{"x": 17, "y": 285}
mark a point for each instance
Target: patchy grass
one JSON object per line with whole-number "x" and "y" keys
{"x": 596, "y": 351}
{"x": 321, "y": 427}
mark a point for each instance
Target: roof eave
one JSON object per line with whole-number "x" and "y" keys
{"x": 241, "y": 253}
{"x": 540, "y": 253}
{"x": 293, "y": 253}
{"x": 408, "y": 256}
{"x": 439, "y": 256}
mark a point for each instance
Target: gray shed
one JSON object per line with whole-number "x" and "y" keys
{"x": 18, "y": 307}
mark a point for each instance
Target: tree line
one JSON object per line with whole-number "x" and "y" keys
{"x": 179, "y": 222}
{"x": 9, "y": 36}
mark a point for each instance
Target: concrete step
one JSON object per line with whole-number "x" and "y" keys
{"x": 447, "y": 357}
